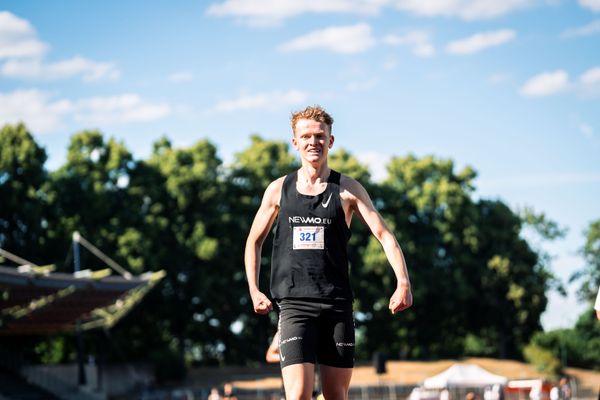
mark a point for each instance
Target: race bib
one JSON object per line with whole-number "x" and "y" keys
{"x": 309, "y": 237}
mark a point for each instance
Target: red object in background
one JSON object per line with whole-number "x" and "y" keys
{"x": 521, "y": 388}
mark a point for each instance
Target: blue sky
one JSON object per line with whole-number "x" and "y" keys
{"x": 511, "y": 87}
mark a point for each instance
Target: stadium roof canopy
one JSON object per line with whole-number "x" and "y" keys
{"x": 36, "y": 301}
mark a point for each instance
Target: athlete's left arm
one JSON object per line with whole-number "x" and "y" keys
{"x": 360, "y": 203}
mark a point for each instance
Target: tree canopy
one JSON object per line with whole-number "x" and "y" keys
{"x": 479, "y": 287}
{"x": 579, "y": 346}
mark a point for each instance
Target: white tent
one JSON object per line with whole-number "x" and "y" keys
{"x": 463, "y": 375}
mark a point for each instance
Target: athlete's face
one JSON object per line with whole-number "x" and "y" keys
{"x": 312, "y": 139}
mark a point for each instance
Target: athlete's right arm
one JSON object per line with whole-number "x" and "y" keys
{"x": 263, "y": 221}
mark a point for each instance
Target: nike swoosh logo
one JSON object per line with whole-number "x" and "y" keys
{"x": 326, "y": 203}
{"x": 282, "y": 357}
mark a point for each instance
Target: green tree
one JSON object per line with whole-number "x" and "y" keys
{"x": 580, "y": 345}
{"x": 585, "y": 343}
{"x": 423, "y": 201}
{"x": 543, "y": 359}
{"x": 344, "y": 162}
{"x": 590, "y": 274}
{"x": 89, "y": 194}
{"x": 183, "y": 218}
{"x": 469, "y": 267}
{"x": 575, "y": 347}
{"x": 22, "y": 195}
{"x": 176, "y": 199}
{"x": 24, "y": 209}
{"x": 514, "y": 284}
{"x": 479, "y": 286}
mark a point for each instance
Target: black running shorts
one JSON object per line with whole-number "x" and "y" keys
{"x": 316, "y": 330}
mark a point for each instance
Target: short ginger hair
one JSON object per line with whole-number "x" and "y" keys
{"x": 315, "y": 113}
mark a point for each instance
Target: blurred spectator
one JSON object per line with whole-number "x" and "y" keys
{"x": 565, "y": 389}
{"x": 228, "y": 392}
{"x": 554, "y": 393}
{"x": 471, "y": 396}
{"x": 272, "y": 355}
{"x": 214, "y": 394}
{"x": 488, "y": 394}
{"x": 536, "y": 391}
{"x": 498, "y": 391}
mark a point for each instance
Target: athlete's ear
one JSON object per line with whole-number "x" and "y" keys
{"x": 331, "y": 140}
{"x": 294, "y": 142}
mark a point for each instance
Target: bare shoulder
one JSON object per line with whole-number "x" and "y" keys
{"x": 273, "y": 192}
{"x": 277, "y": 184}
{"x": 351, "y": 189}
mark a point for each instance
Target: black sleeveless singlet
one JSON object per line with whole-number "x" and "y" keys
{"x": 310, "y": 257}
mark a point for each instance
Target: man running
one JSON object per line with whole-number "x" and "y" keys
{"x": 312, "y": 209}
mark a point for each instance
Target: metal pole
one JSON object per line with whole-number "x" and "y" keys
{"x": 81, "y": 379}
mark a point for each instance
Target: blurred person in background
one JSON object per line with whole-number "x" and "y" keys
{"x": 214, "y": 394}
{"x": 565, "y": 388}
{"x": 272, "y": 355}
{"x": 228, "y": 392}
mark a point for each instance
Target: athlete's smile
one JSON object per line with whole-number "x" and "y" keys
{"x": 312, "y": 139}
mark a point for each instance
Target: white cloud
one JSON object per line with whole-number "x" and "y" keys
{"x": 589, "y": 83}
{"x": 464, "y": 9}
{"x": 418, "y": 41}
{"x": 546, "y": 84}
{"x": 590, "y": 77}
{"x": 480, "y": 41}
{"x": 362, "y": 86}
{"x": 42, "y": 114}
{"x": 340, "y": 39}
{"x": 181, "y": 76}
{"x": 593, "y": 5}
{"x": 34, "y": 108}
{"x": 77, "y": 66}
{"x": 549, "y": 83}
{"x": 18, "y": 38}
{"x": 24, "y": 54}
{"x": 586, "y": 30}
{"x": 119, "y": 109}
{"x": 270, "y": 12}
{"x": 267, "y": 100}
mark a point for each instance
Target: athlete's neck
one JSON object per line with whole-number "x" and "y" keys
{"x": 310, "y": 175}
